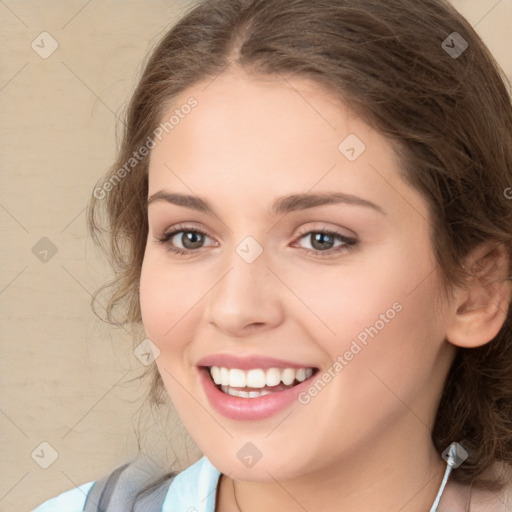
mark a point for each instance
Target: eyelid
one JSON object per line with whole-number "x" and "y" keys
{"x": 323, "y": 226}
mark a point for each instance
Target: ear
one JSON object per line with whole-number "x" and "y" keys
{"x": 480, "y": 308}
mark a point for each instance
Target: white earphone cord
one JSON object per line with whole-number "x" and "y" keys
{"x": 450, "y": 462}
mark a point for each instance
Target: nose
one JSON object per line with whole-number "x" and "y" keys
{"x": 245, "y": 299}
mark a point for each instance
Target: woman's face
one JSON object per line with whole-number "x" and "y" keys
{"x": 356, "y": 305}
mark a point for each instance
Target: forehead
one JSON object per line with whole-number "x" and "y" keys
{"x": 272, "y": 135}
{"x": 263, "y": 116}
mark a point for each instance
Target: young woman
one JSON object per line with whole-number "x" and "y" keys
{"x": 311, "y": 217}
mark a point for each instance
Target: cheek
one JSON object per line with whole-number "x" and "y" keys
{"x": 165, "y": 298}
{"x": 397, "y": 336}
{"x": 384, "y": 349}
{"x": 377, "y": 315}
{"x": 172, "y": 298}
{"x": 382, "y": 297}
{"x": 167, "y": 301}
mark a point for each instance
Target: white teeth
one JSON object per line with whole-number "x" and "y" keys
{"x": 244, "y": 394}
{"x": 273, "y": 377}
{"x": 288, "y": 376}
{"x": 224, "y": 377}
{"x": 215, "y": 373}
{"x": 257, "y": 377}
{"x": 301, "y": 374}
{"x": 237, "y": 378}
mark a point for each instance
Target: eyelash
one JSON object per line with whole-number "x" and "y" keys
{"x": 348, "y": 242}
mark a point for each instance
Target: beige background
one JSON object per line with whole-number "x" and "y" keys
{"x": 64, "y": 374}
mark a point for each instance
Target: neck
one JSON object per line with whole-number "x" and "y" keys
{"x": 366, "y": 480}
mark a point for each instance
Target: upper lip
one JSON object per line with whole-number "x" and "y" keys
{"x": 248, "y": 362}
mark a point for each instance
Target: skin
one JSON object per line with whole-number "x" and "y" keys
{"x": 363, "y": 443}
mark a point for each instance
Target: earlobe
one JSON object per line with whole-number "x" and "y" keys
{"x": 480, "y": 309}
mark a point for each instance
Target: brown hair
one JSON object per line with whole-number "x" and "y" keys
{"x": 449, "y": 118}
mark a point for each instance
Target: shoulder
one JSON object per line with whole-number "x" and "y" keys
{"x": 70, "y": 501}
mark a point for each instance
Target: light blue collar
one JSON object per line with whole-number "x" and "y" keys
{"x": 194, "y": 489}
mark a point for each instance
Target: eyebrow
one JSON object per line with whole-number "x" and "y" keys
{"x": 282, "y": 205}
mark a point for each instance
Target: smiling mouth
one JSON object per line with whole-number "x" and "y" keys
{"x": 257, "y": 381}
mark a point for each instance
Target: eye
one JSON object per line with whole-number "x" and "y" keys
{"x": 191, "y": 239}
{"x": 322, "y": 242}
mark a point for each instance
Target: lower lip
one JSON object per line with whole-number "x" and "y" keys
{"x": 261, "y": 407}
